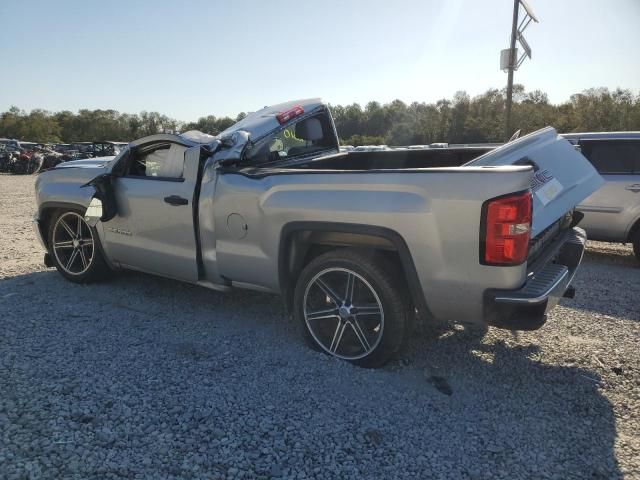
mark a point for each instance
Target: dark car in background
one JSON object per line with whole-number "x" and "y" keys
{"x": 98, "y": 149}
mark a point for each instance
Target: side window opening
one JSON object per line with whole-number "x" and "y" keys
{"x": 307, "y": 136}
{"x": 162, "y": 161}
{"x": 613, "y": 156}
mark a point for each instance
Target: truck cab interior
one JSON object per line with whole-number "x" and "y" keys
{"x": 308, "y": 136}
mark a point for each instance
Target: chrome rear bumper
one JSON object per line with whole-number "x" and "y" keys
{"x": 526, "y": 307}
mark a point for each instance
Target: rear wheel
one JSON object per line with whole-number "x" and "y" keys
{"x": 636, "y": 244}
{"x": 350, "y": 308}
{"x": 74, "y": 248}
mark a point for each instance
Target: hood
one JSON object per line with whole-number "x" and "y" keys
{"x": 98, "y": 162}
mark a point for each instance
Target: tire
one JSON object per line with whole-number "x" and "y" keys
{"x": 77, "y": 257}
{"x": 366, "y": 327}
{"x": 636, "y": 244}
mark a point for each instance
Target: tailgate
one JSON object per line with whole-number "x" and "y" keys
{"x": 562, "y": 178}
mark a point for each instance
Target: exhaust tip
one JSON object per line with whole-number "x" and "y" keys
{"x": 570, "y": 292}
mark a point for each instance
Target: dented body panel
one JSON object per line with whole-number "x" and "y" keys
{"x": 226, "y": 221}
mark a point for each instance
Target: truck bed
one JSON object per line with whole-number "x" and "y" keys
{"x": 396, "y": 159}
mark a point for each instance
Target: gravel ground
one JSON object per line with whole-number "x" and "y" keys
{"x": 143, "y": 377}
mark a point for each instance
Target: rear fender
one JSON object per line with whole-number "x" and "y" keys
{"x": 287, "y": 283}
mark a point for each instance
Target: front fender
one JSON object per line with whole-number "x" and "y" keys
{"x": 103, "y": 191}
{"x": 64, "y": 186}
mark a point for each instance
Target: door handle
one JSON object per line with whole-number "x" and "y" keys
{"x": 634, "y": 188}
{"x": 176, "y": 200}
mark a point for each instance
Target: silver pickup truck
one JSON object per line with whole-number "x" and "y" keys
{"x": 358, "y": 243}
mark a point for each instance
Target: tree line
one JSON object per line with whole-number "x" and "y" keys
{"x": 462, "y": 119}
{"x": 480, "y": 119}
{"x": 98, "y": 125}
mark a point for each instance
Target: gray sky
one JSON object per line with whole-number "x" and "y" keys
{"x": 194, "y": 58}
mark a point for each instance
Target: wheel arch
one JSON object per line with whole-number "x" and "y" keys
{"x": 46, "y": 211}
{"x": 635, "y": 228}
{"x": 300, "y": 242}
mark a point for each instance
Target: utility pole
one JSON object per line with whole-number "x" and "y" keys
{"x": 509, "y": 60}
{"x": 511, "y": 67}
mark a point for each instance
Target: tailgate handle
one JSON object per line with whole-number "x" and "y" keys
{"x": 176, "y": 200}
{"x": 634, "y": 188}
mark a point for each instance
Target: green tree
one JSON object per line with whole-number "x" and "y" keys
{"x": 460, "y": 119}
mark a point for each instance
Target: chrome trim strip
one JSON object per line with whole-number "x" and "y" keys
{"x": 584, "y": 208}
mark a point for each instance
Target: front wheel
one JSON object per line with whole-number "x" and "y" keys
{"x": 74, "y": 248}
{"x": 350, "y": 307}
{"x": 636, "y": 244}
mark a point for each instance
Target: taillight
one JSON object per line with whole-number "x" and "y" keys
{"x": 506, "y": 229}
{"x": 284, "y": 117}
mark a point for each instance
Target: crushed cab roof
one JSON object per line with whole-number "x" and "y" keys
{"x": 259, "y": 123}
{"x": 255, "y": 124}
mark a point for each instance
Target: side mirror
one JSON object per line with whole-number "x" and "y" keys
{"x": 94, "y": 212}
{"x": 103, "y": 204}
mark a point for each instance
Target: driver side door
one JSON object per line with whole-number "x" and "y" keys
{"x": 153, "y": 230}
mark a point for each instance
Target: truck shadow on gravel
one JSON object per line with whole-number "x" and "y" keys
{"x": 516, "y": 406}
{"x": 608, "y": 283}
{"x": 474, "y": 408}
